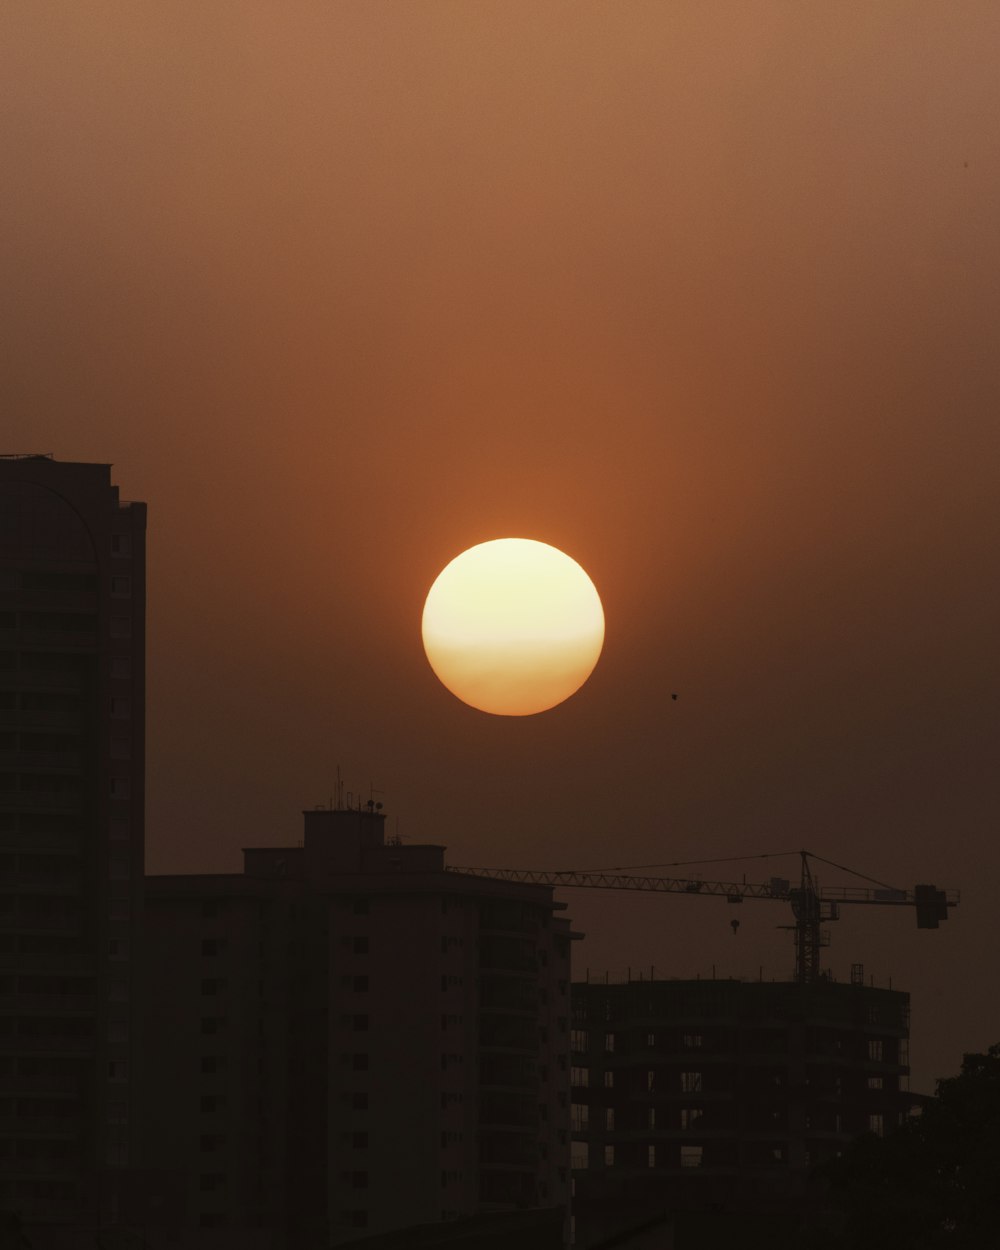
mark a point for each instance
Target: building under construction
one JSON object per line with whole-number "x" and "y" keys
{"x": 722, "y": 1095}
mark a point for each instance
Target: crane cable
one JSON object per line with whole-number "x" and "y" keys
{"x": 684, "y": 863}
{"x": 731, "y": 859}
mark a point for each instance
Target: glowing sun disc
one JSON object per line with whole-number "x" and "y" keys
{"x": 513, "y": 626}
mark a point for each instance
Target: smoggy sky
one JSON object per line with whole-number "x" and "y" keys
{"x": 705, "y": 294}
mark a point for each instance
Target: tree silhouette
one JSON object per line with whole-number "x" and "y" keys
{"x": 935, "y": 1181}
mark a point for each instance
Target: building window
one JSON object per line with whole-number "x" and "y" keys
{"x": 359, "y": 1102}
{"x": 360, "y": 946}
{"x": 690, "y": 1116}
{"x": 121, "y": 586}
{"x": 650, "y": 1040}
{"x": 875, "y": 1082}
{"x": 650, "y": 1080}
{"x": 120, "y": 788}
{"x": 359, "y": 1180}
{"x": 212, "y": 1063}
{"x": 579, "y": 1076}
{"x": 360, "y": 1023}
{"x": 609, "y": 1156}
{"x": 876, "y": 1124}
{"x": 118, "y": 948}
{"x": 118, "y": 1113}
{"x": 609, "y": 1043}
{"x": 875, "y": 1050}
{"x": 121, "y": 748}
{"x": 212, "y": 985}
{"x": 609, "y": 1080}
{"x": 118, "y": 1070}
{"x": 359, "y": 1141}
{"x": 579, "y": 1155}
{"x": 579, "y": 1117}
{"x": 578, "y": 1039}
{"x": 212, "y": 946}
{"x": 651, "y": 1156}
{"x": 693, "y": 1041}
{"x": 691, "y": 1082}
{"x": 211, "y": 1181}
{"x": 359, "y": 1061}
{"x": 121, "y": 544}
{"x": 212, "y": 1024}
{"x": 118, "y": 866}
{"x": 360, "y": 985}
{"x": 121, "y": 666}
{"x": 691, "y": 1156}
{"x": 652, "y": 1117}
{"x": 212, "y": 1102}
{"x": 121, "y": 627}
{"x": 609, "y": 1118}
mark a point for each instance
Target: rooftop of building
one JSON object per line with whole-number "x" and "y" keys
{"x": 344, "y": 851}
{"x": 732, "y": 999}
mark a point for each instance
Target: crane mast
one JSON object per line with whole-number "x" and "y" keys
{"x": 811, "y": 904}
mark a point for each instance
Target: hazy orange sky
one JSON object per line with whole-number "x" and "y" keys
{"x": 705, "y": 294}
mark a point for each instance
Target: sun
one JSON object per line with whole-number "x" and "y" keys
{"x": 513, "y": 626}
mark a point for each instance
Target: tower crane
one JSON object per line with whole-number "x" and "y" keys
{"x": 812, "y": 904}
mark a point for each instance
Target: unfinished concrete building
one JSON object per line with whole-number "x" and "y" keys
{"x": 723, "y": 1094}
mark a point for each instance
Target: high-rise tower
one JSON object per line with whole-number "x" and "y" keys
{"x": 347, "y": 1038}
{"x": 72, "y": 616}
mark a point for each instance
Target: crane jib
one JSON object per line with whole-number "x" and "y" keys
{"x": 811, "y": 904}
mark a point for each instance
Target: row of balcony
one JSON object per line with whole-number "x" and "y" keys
{"x": 53, "y": 1084}
{"x": 64, "y": 761}
{"x": 55, "y": 718}
{"x": 20, "y": 1004}
{"x": 83, "y": 600}
{"x": 78, "y": 1046}
{"x": 66, "y": 1127}
{"x": 38, "y": 679}
{"x": 41, "y": 801}
{"x": 65, "y": 640}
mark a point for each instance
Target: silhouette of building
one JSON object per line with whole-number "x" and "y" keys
{"x": 72, "y": 613}
{"x": 692, "y": 1096}
{"x": 347, "y": 1038}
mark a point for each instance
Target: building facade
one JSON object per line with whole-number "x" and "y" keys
{"x": 72, "y": 627}
{"x": 723, "y": 1094}
{"x": 347, "y": 1039}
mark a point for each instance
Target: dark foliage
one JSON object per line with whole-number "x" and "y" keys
{"x": 935, "y": 1182}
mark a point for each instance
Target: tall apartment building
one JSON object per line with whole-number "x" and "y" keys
{"x": 721, "y": 1095}
{"x": 346, "y": 1038}
{"x": 72, "y": 596}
